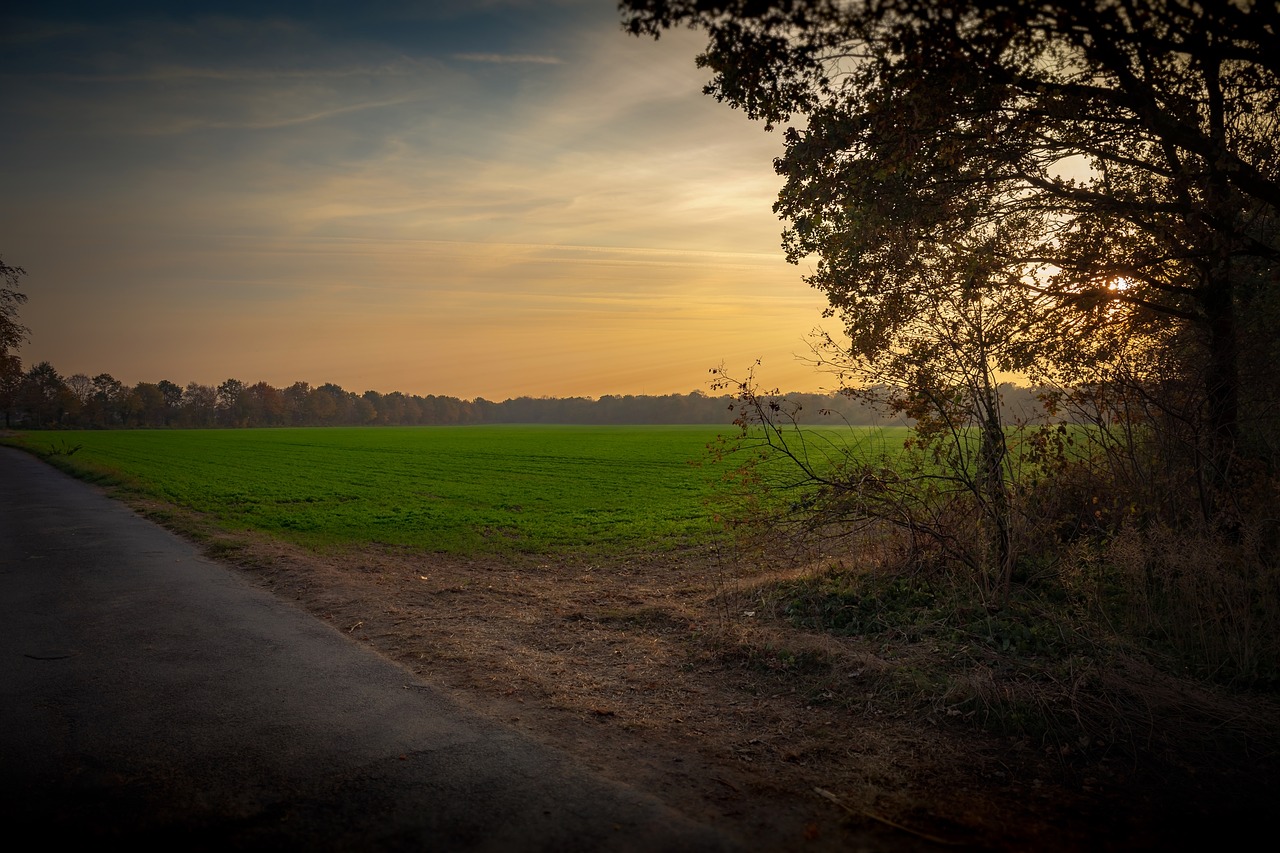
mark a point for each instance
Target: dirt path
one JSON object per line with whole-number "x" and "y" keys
{"x": 657, "y": 671}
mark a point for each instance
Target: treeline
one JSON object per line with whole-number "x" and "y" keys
{"x": 41, "y": 398}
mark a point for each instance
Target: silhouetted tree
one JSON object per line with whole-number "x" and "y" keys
{"x": 82, "y": 388}
{"x": 264, "y": 405}
{"x": 1114, "y": 163}
{"x": 230, "y": 404}
{"x": 199, "y": 405}
{"x": 12, "y": 333}
{"x": 145, "y": 404}
{"x": 107, "y": 407}
{"x": 172, "y": 394}
{"x": 45, "y": 395}
{"x": 11, "y": 377}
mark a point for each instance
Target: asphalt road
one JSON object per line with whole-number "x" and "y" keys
{"x": 148, "y": 694}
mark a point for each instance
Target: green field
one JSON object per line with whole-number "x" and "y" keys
{"x": 450, "y": 489}
{"x": 474, "y": 489}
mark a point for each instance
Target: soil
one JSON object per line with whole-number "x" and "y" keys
{"x": 663, "y": 671}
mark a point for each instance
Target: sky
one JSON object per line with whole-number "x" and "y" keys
{"x": 471, "y": 198}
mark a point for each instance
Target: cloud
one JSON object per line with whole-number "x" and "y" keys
{"x": 563, "y": 214}
{"x": 173, "y": 74}
{"x": 510, "y": 58}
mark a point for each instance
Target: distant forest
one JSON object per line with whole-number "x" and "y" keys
{"x": 41, "y": 398}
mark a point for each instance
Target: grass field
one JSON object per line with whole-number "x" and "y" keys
{"x": 449, "y": 489}
{"x": 460, "y": 490}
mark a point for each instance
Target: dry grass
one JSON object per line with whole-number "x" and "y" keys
{"x": 673, "y": 672}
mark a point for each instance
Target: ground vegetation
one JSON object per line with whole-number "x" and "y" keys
{"x": 1086, "y": 193}
{"x": 797, "y": 700}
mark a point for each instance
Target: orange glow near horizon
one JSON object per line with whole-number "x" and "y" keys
{"x": 566, "y": 217}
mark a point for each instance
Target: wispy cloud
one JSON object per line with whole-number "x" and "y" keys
{"x": 510, "y": 58}
{"x": 466, "y": 204}
{"x": 279, "y": 121}
{"x": 402, "y": 67}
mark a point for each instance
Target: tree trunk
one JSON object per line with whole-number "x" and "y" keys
{"x": 994, "y": 492}
{"x": 1221, "y": 387}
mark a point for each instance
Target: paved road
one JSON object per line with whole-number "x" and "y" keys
{"x": 150, "y": 694}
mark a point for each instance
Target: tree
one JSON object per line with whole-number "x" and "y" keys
{"x": 12, "y": 333}
{"x": 172, "y": 393}
{"x": 330, "y": 405}
{"x": 295, "y": 401}
{"x": 10, "y": 387}
{"x": 109, "y": 398}
{"x": 1115, "y": 162}
{"x": 46, "y": 395}
{"x": 264, "y": 405}
{"x": 82, "y": 387}
{"x": 231, "y": 403}
{"x": 375, "y": 401}
{"x": 145, "y": 404}
{"x": 199, "y": 404}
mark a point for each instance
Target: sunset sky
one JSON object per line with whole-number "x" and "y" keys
{"x": 467, "y": 198}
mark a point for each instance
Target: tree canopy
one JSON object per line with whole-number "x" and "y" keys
{"x": 12, "y": 333}
{"x": 1111, "y": 166}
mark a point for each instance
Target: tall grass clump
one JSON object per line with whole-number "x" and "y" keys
{"x": 1174, "y": 544}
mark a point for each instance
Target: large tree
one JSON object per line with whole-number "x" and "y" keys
{"x": 1114, "y": 160}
